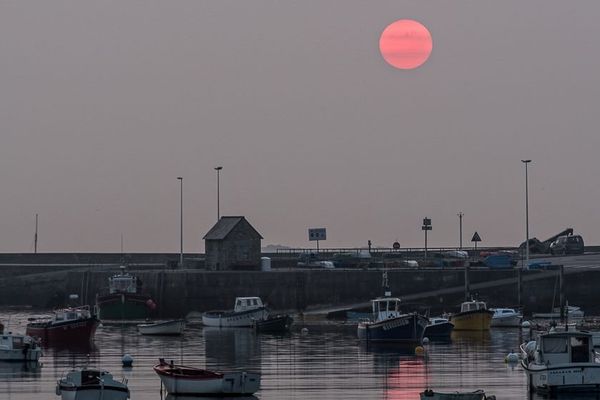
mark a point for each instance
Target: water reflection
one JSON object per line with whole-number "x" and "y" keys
{"x": 11, "y": 370}
{"x": 232, "y": 348}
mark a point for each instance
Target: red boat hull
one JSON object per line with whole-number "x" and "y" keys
{"x": 79, "y": 331}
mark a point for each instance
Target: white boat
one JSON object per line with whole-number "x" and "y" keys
{"x": 246, "y": 311}
{"x": 561, "y": 362}
{"x": 179, "y": 379}
{"x": 508, "y": 317}
{"x": 475, "y": 395}
{"x": 573, "y": 313}
{"x": 174, "y": 327}
{"x": 15, "y": 347}
{"x": 91, "y": 384}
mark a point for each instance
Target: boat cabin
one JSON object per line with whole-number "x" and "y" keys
{"x": 472, "y": 305}
{"x": 247, "y": 303}
{"x": 503, "y": 312}
{"x": 122, "y": 283}
{"x": 72, "y": 314}
{"x": 564, "y": 347}
{"x": 386, "y": 308}
{"x": 11, "y": 342}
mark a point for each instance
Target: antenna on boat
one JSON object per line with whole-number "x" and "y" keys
{"x": 35, "y": 237}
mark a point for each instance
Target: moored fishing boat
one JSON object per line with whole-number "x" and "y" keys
{"x": 174, "y": 327}
{"x": 73, "y": 324}
{"x": 15, "y": 347}
{"x": 124, "y": 300}
{"x": 180, "y": 379}
{"x": 438, "y": 327}
{"x": 274, "y": 324}
{"x": 246, "y": 311}
{"x": 562, "y": 361}
{"x": 91, "y": 384}
{"x": 473, "y": 316}
{"x": 388, "y": 324}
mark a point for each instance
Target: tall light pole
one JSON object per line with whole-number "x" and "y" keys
{"x": 181, "y": 221}
{"x": 526, "y": 214}
{"x": 460, "y": 215}
{"x": 218, "y": 169}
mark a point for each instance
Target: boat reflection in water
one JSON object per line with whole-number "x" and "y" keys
{"x": 11, "y": 370}
{"x": 243, "y": 347}
{"x": 188, "y": 397}
{"x": 404, "y": 373}
{"x": 471, "y": 337}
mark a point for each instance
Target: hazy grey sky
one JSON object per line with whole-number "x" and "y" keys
{"x": 103, "y": 104}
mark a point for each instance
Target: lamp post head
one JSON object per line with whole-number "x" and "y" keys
{"x": 180, "y": 178}
{"x": 218, "y": 168}
{"x": 526, "y": 161}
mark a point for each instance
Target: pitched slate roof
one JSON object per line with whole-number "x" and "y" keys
{"x": 224, "y": 226}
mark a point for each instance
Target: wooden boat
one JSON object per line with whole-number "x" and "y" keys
{"x": 390, "y": 325}
{"x": 174, "y": 327}
{"x": 562, "y": 361}
{"x": 274, "y": 324}
{"x": 246, "y": 311}
{"x": 15, "y": 347}
{"x": 91, "y": 384}
{"x": 179, "y": 379}
{"x": 475, "y": 395}
{"x": 438, "y": 327}
{"x": 473, "y": 316}
{"x": 124, "y": 300}
{"x": 73, "y": 324}
{"x": 506, "y": 317}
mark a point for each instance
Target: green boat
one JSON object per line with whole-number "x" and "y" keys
{"x": 123, "y": 301}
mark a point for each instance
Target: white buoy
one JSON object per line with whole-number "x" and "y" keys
{"x": 127, "y": 360}
{"x": 526, "y": 324}
{"x": 425, "y": 340}
{"x": 304, "y": 331}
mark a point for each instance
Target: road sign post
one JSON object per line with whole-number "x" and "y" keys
{"x": 316, "y": 234}
{"x": 476, "y": 238}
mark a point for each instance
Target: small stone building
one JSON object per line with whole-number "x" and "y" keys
{"x": 232, "y": 244}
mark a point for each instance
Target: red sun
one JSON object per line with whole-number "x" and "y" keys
{"x": 405, "y": 44}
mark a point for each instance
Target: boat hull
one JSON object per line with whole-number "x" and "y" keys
{"x": 407, "y": 328}
{"x": 92, "y": 392}
{"x": 279, "y": 323}
{"x": 77, "y": 331}
{"x": 122, "y": 306}
{"x": 163, "y": 328}
{"x": 431, "y": 395}
{"x": 511, "y": 321}
{"x": 476, "y": 320}
{"x": 443, "y": 330}
{"x": 222, "y": 319}
{"x": 191, "y": 381}
{"x": 18, "y": 355}
{"x": 583, "y": 377}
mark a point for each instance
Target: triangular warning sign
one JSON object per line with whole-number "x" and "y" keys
{"x": 476, "y": 237}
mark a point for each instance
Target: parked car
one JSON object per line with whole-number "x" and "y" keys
{"x": 572, "y": 244}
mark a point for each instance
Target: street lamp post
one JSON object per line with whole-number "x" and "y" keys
{"x": 218, "y": 169}
{"x": 460, "y": 215}
{"x": 526, "y": 214}
{"x": 181, "y": 221}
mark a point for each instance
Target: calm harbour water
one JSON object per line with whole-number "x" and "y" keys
{"x": 326, "y": 363}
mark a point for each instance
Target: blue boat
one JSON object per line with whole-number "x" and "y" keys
{"x": 438, "y": 327}
{"x": 390, "y": 325}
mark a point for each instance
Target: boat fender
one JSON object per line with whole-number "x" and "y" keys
{"x": 425, "y": 340}
{"x": 419, "y": 351}
{"x": 304, "y": 331}
{"x": 511, "y": 358}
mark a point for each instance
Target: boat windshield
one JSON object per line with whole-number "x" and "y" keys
{"x": 555, "y": 345}
{"x": 580, "y": 349}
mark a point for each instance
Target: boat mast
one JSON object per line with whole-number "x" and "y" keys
{"x": 35, "y": 237}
